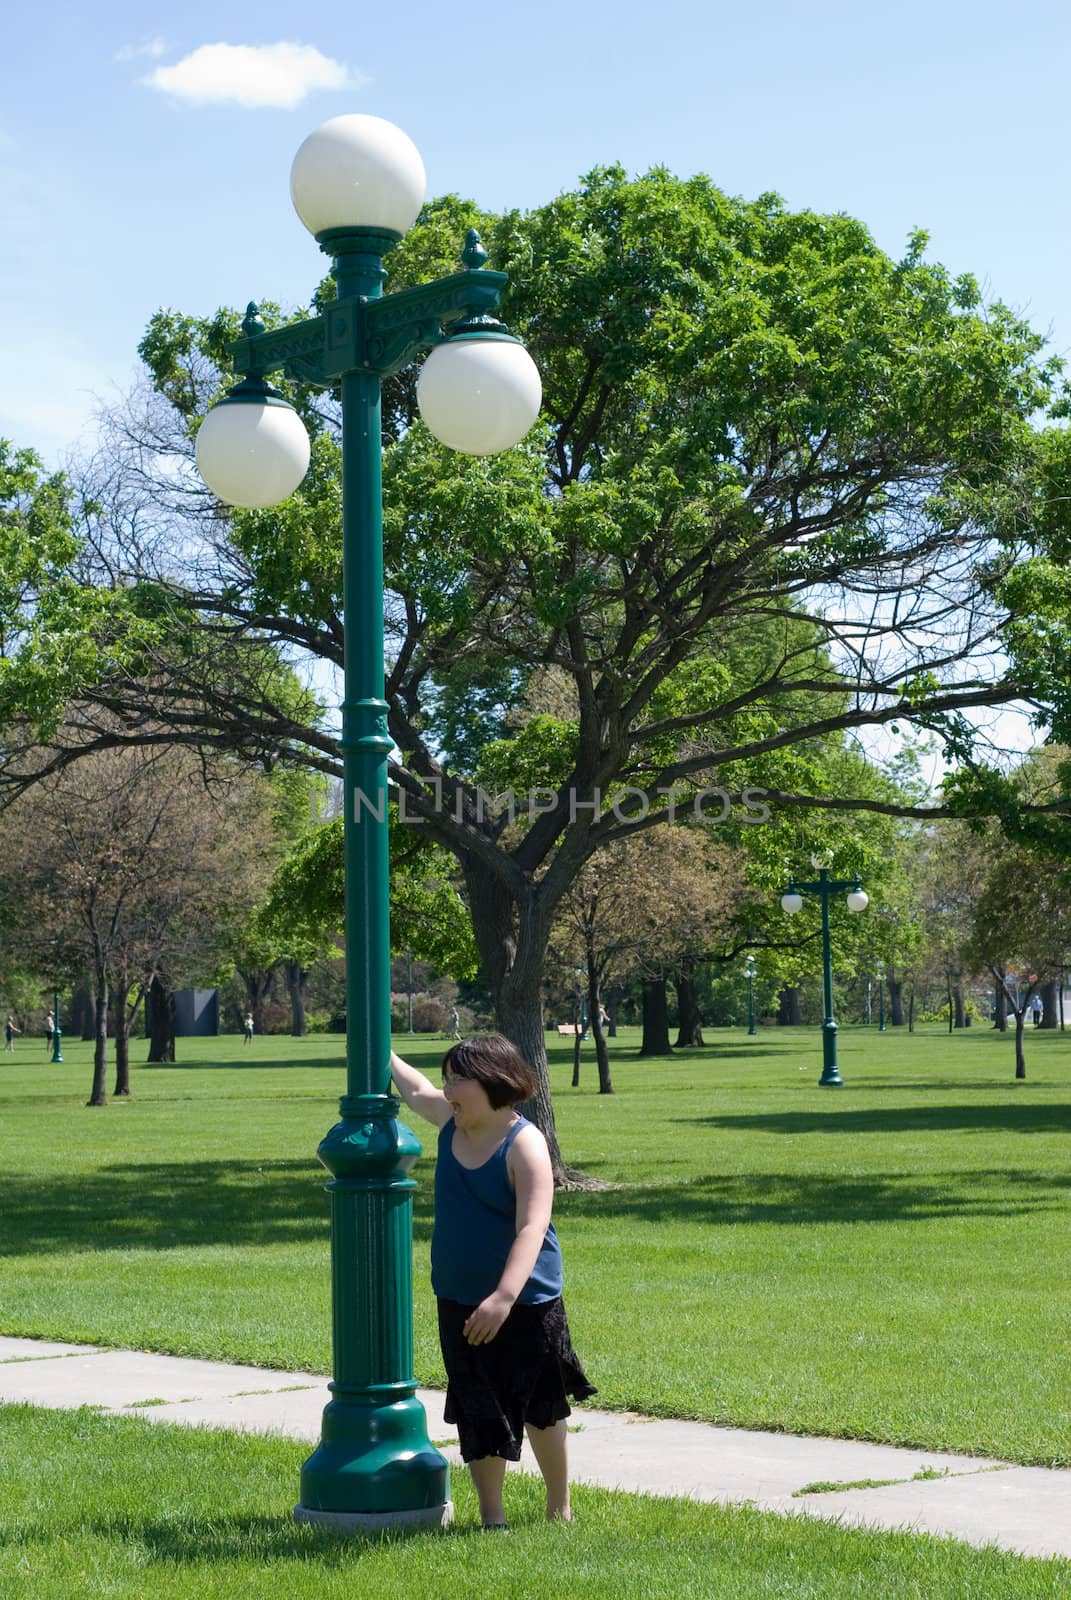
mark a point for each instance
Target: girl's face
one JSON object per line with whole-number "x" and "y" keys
{"x": 468, "y": 1101}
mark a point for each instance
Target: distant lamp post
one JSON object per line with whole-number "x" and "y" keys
{"x": 749, "y": 974}
{"x": 879, "y": 973}
{"x": 57, "y": 1032}
{"x": 358, "y": 185}
{"x": 857, "y": 900}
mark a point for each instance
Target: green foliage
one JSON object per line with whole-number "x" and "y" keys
{"x": 306, "y": 904}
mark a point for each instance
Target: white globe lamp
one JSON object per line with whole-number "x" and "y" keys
{"x": 858, "y": 899}
{"x": 479, "y": 393}
{"x": 252, "y": 447}
{"x": 358, "y": 171}
{"x": 792, "y": 903}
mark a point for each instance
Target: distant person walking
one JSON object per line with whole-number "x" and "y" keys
{"x": 50, "y": 1030}
{"x": 1037, "y": 1010}
{"x": 10, "y": 1031}
{"x": 247, "y": 1029}
{"x": 455, "y": 1024}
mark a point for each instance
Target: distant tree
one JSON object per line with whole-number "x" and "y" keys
{"x": 1021, "y": 933}
{"x": 642, "y": 904}
{"x": 125, "y": 866}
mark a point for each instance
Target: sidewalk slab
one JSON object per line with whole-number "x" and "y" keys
{"x": 983, "y": 1502}
{"x": 641, "y": 1454}
{"x": 1025, "y": 1509}
{"x": 38, "y": 1349}
{"x": 113, "y": 1379}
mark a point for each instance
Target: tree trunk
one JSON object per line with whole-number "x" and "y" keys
{"x": 576, "y": 1041}
{"x": 960, "y": 1012}
{"x": 612, "y": 999}
{"x": 789, "y": 1014}
{"x": 602, "y": 1055}
{"x": 89, "y": 1018}
{"x": 896, "y": 1002}
{"x": 511, "y": 937}
{"x": 161, "y": 1020}
{"x": 99, "y": 1094}
{"x": 257, "y": 985}
{"x": 655, "y": 1040}
{"x": 122, "y": 1039}
{"x": 1020, "y": 1058}
{"x": 690, "y": 1025}
{"x": 1001, "y": 1023}
{"x": 297, "y": 978}
{"x": 911, "y": 1011}
{"x": 1050, "y": 1016}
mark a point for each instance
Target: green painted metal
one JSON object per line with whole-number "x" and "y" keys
{"x": 830, "y": 1078}
{"x": 374, "y": 1457}
{"x": 823, "y": 890}
{"x": 254, "y": 391}
{"x": 57, "y": 1031}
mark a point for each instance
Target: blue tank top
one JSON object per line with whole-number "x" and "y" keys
{"x": 475, "y": 1226}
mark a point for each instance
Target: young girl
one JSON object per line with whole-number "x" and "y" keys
{"x": 496, "y": 1269}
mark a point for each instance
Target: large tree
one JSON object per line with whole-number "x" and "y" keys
{"x": 758, "y": 429}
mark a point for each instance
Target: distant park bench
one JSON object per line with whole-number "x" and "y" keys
{"x": 568, "y": 1027}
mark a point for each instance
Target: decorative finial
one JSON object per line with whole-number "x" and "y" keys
{"x": 474, "y": 255}
{"x": 252, "y": 322}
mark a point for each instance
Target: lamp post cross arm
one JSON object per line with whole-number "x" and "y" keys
{"x": 377, "y": 336}
{"x": 830, "y": 886}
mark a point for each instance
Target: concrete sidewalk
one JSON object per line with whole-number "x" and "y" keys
{"x": 1024, "y": 1509}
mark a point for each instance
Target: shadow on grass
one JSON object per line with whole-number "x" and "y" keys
{"x": 159, "y": 1206}
{"x": 806, "y": 1199}
{"x": 172, "y": 1206}
{"x": 247, "y": 1064}
{"x": 191, "y": 1541}
{"x": 1005, "y": 1117}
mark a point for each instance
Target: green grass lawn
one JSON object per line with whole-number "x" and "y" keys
{"x": 886, "y": 1261}
{"x": 119, "y": 1507}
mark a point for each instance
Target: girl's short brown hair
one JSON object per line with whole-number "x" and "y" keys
{"x": 496, "y": 1065}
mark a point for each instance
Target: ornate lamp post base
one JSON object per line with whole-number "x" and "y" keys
{"x": 378, "y": 1521}
{"x": 375, "y": 1467}
{"x": 831, "y": 1078}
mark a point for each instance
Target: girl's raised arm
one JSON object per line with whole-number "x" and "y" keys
{"x": 419, "y": 1093}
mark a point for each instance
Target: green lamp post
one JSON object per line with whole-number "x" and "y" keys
{"x": 879, "y": 973}
{"x": 749, "y": 974}
{"x": 57, "y": 1032}
{"x": 358, "y": 184}
{"x": 792, "y": 901}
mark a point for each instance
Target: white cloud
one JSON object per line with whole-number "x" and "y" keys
{"x": 153, "y": 48}
{"x": 252, "y": 75}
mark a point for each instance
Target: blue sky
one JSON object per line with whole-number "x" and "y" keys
{"x": 120, "y": 193}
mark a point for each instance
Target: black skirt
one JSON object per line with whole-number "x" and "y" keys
{"x": 521, "y": 1375}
